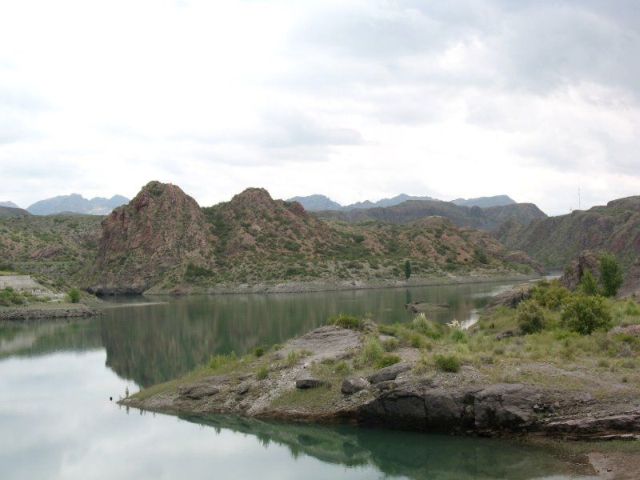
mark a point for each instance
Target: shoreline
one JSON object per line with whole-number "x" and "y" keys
{"x": 313, "y": 286}
{"x": 46, "y": 312}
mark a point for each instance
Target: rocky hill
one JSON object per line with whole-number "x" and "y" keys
{"x": 13, "y": 212}
{"x": 76, "y": 203}
{"x": 489, "y": 219}
{"x": 317, "y": 203}
{"x": 555, "y": 241}
{"x": 8, "y": 204}
{"x": 160, "y": 230}
{"x": 163, "y": 240}
{"x": 314, "y": 203}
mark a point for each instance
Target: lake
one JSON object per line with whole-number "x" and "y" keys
{"x": 57, "y": 422}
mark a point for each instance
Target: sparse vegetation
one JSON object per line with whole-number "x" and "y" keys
{"x": 530, "y": 317}
{"x": 347, "y": 321}
{"x": 448, "y": 363}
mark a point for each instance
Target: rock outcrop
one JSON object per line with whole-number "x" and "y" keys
{"x": 161, "y": 229}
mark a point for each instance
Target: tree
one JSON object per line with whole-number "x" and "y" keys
{"x": 74, "y": 295}
{"x": 610, "y": 275}
{"x": 407, "y": 269}
{"x": 588, "y": 284}
{"x": 585, "y": 314}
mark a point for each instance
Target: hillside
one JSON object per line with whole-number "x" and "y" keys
{"x": 317, "y": 203}
{"x": 13, "y": 212}
{"x": 8, "y": 204}
{"x": 76, "y": 203}
{"x": 54, "y": 248}
{"x": 314, "y": 203}
{"x": 554, "y": 241}
{"x": 489, "y": 219}
{"x": 162, "y": 239}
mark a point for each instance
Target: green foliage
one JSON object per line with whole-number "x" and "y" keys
{"x": 9, "y": 296}
{"x": 631, "y": 308}
{"x": 426, "y": 327}
{"x": 262, "y": 373}
{"x": 387, "y": 360}
{"x": 448, "y": 363}
{"x": 390, "y": 344}
{"x": 407, "y": 269}
{"x": 347, "y": 321}
{"x": 585, "y": 314}
{"x": 372, "y": 352}
{"x": 258, "y": 351}
{"x": 481, "y": 256}
{"x": 458, "y": 336}
{"x": 194, "y": 273}
{"x": 219, "y": 361}
{"x": 588, "y": 284}
{"x": 530, "y": 317}
{"x": 550, "y": 295}
{"x": 610, "y": 275}
{"x": 74, "y": 295}
{"x": 342, "y": 368}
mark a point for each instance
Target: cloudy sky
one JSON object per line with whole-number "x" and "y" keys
{"x": 353, "y": 99}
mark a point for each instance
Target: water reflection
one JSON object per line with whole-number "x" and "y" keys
{"x": 157, "y": 341}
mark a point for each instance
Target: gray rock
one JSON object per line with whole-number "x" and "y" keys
{"x": 388, "y": 373}
{"x": 198, "y": 391}
{"x": 353, "y": 385}
{"x": 304, "y": 383}
{"x": 504, "y": 406}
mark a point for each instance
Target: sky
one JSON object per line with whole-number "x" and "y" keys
{"x": 353, "y": 99}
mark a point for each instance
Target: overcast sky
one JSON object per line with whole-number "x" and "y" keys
{"x": 354, "y": 99}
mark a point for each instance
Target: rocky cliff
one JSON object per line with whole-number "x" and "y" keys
{"x": 160, "y": 230}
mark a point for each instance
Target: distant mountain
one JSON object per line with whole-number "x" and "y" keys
{"x": 489, "y": 219}
{"x": 314, "y": 203}
{"x": 13, "y": 212}
{"x": 485, "y": 202}
{"x": 76, "y": 203}
{"x": 8, "y": 204}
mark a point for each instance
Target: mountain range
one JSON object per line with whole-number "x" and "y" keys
{"x": 76, "y": 203}
{"x": 315, "y": 203}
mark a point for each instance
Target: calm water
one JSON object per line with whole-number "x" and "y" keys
{"x": 56, "y": 420}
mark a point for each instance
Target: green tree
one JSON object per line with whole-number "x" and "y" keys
{"x": 407, "y": 269}
{"x": 588, "y": 284}
{"x": 584, "y": 314}
{"x": 74, "y": 295}
{"x": 610, "y": 275}
{"x": 530, "y": 317}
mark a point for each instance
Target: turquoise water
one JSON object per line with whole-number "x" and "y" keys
{"x": 57, "y": 422}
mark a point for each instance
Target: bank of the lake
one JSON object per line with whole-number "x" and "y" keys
{"x": 47, "y": 311}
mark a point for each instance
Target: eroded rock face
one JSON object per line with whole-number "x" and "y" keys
{"x": 161, "y": 229}
{"x": 586, "y": 261}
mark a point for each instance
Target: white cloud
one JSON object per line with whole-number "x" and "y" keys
{"x": 354, "y": 99}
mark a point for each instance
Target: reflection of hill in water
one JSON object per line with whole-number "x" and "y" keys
{"x": 412, "y": 455}
{"x": 155, "y": 343}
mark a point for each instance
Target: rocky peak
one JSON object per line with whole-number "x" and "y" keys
{"x": 161, "y": 229}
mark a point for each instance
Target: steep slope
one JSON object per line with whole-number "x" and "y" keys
{"x": 161, "y": 229}
{"x": 485, "y": 202}
{"x": 76, "y": 203}
{"x": 489, "y": 219}
{"x": 555, "y": 241}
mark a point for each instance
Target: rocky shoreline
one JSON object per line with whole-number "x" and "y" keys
{"x": 298, "y": 382}
{"x": 341, "y": 285}
{"x": 43, "y": 312}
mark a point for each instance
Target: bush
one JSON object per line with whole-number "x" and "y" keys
{"x": 258, "y": 351}
{"x": 372, "y": 352}
{"x": 458, "y": 336}
{"x": 588, "y": 284}
{"x": 390, "y": 344}
{"x": 74, "y": 295}
{"x": 632, "y": 308}
{"x": 550, "y": 295}
{"x": 387, "y": 360}
{"x": 347, "y": 321}
{"x": 219, "y": 361}
{"x": 448, "y": 363}
{"x": 407, "y": 269}
{"x": 262, "y": 373}
{"x": 610, "y": 275}
{"x": 9, "y": 296}
{"x": 585, "y": 314}
{"x": 421, "y": 324}
{"x": 530, "y": 317}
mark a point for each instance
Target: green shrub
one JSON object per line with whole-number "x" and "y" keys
{"x": 262, "y": 373}
{"x": 550, "y": 295}
{"x": 407, "y": 269}
{"x": 387, "y": 360}
{"x": 258, "y": 351}
{"x": 588, "y": 284}
{"x": 458, "y": 336}
{"x": 431, "y": 329}
{"x": 448, "y": 363}
{"x": 390, "y": 344}
{"x": 610, "y": 275}
{"x": 530, "y": 317}
{"x": 9, "y": 296}
{"x": 342, "y": 368}
{"x": 632, "y": 308}
{"x": 372, "y": 352}
{"x": 219, "y": 361}
{"x": 74, "y": 295}
{"x": 347, "y": 321}
{"x": 585, "y": 314}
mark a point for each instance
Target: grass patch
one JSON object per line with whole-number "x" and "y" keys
{"x": 448, "y": 363}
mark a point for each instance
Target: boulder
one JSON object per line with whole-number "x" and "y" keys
{"x": 586, "y": 261}
{"x": 353, "y": 385}
{"x": 307, "y": 382}
{"x": 388, "y": 373}
{"x": 198, "y": 391}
